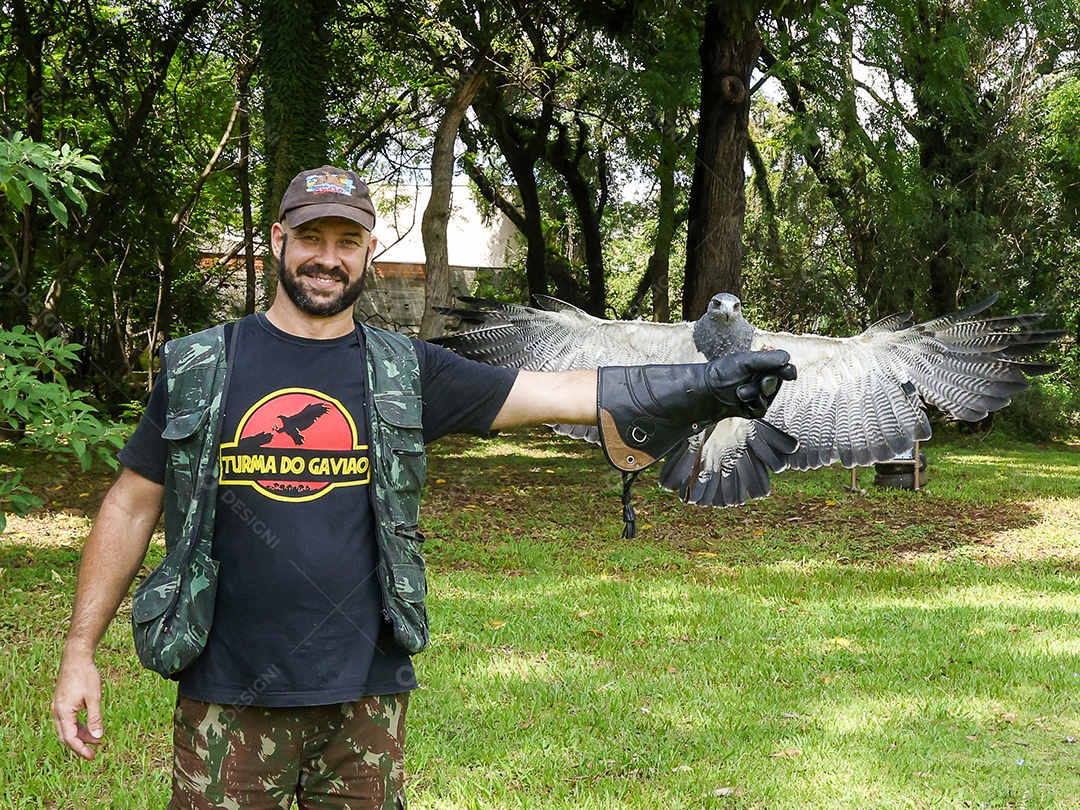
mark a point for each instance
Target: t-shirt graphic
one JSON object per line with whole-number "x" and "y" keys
{"x": 295, "y": 444}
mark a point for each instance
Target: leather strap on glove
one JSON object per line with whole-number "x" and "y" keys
{"x": 643, "y": 412}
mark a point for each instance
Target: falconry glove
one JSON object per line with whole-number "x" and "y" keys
{"x": 643, "y": 412}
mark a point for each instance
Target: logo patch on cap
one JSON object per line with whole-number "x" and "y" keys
{"x": 326, "y": 183}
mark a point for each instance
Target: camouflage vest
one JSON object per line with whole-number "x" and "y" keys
{"x": 172, "y": 609}
{"x": 196, "y": 386}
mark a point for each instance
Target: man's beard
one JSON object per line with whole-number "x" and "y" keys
{"x": 318, "y": 305}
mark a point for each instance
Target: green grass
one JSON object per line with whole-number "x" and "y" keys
{"x": 819, "y": 649}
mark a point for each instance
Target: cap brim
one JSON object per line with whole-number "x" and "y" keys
{"x": 306, "y": 213}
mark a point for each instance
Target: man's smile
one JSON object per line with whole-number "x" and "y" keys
{"x": 323, "y": 278}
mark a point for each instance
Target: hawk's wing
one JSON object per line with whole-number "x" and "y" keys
{"x": 561, "y": 337}
{"x": 860, "y": 400}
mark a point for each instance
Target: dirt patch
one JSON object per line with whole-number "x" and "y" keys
{"x": 70, "y": 499}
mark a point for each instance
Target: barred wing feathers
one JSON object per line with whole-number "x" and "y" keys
{"x": 561, "y": 337}
{"x": 728, "y": 464}
{"x": 859, "y": 400}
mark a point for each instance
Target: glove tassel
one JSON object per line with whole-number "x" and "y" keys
{"x": 628, "y": 516}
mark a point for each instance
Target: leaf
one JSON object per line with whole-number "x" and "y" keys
{"x": 22, "y": 191}
{"x": 57, "y": 209}
{"x": 729, "y": 791}
{"x": 75, "y": 196}
{"x": 841, "y": 642}
{"x": 496, "y": 623}
{"x": 38, "y": 178}
{"x": 787, "y": 753}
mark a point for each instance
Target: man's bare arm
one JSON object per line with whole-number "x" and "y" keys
{"x": 111, "y": 558}
{"x": 550, "y": 397}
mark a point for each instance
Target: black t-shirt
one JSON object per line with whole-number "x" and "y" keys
{"x": 298, "y": 617}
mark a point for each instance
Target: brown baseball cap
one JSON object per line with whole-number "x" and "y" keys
{"x": 327, "y": 192}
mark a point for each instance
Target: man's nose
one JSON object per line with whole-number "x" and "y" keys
{"x": 328, "y": 256}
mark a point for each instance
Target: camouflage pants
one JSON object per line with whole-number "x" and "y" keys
{"x": 346, "y": 756}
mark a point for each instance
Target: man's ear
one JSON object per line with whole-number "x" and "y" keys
{"x": 373, "y": 245}
{"x": 277, "y": 238}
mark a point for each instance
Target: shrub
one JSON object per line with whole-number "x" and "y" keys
{"x": 39, "y": 410}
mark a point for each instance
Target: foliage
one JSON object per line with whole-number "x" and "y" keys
{"x": 916, "y": 121}
{"x": 38, "y": 407}
{"x": 1050, "y": 410}
{"x": 909, "y": 154}
{"x": 55, "y": 173}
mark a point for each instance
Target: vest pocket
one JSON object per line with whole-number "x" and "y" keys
{"x": 405, "y": 466}
{"x": 185, "y": 425}
{"x": 400, "y": 410}
{"x": 408, "y": 587}
{"x": 410, "y": 581}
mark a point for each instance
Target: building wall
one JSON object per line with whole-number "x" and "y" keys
{"x": 394, "y": 295}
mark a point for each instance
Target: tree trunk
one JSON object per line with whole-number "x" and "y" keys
{"x": 522, "y": 152}
{"x": 295, "y": 38}
{"x": 660, "y": 260}
{"x": 656, "y": 279}
{"x": 438, "y": 291}
{"x": 243, "y": 179}
{"x": 718, "y": 192}
{"x": 567, "y": 162}
{"x": 163, "y": 314}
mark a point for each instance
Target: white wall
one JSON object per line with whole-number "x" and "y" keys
{"x": 471, "y": 241}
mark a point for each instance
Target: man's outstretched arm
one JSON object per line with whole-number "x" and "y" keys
{"x": 111, "y": 558}
{"x": 550, "y": 397}
{"x": 680, "y": 397}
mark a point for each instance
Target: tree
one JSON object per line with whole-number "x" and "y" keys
{"x": 729, "y": 49}
{"x": 38, "y": 407}
{"x": 28, "y": 171}
{"x": 123, "y": 174}
{"x": 296, "y": 43}
{"x": 438, "y": 290}
{"x": 910, "y": 115}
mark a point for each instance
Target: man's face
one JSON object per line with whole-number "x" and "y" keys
{"x": 322, "y": 264}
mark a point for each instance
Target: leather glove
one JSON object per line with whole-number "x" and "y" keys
{"x": 645, "y": 411}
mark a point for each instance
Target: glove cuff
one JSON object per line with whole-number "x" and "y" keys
{"x": 643, "y": 412}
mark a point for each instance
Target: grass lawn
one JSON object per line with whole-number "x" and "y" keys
{"x": 818, "y": 649}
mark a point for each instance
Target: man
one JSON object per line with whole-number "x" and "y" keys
{"x": 301, "y": 689}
